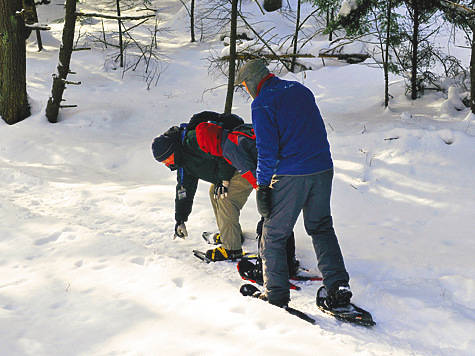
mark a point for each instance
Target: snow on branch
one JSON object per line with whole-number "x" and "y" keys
{"x": 37, "y": 26}
{"x": 113, "y": 17}
{"x": 459, "y": 8}
{"x": 346, "y": 7}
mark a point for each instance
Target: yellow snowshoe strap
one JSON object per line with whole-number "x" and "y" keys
{"x": 222, "y": 250}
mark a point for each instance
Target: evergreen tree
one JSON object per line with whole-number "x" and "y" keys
{"x": 378, "y": 18}
{"x": 405, "y": 37}
{"x": 328, "y": 10}
{"x": 420, "y": 13}
{"x": 462, "y": 15}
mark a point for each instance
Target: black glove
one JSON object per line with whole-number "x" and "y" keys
{"x": 221, "y": 189}
{"x": 263, "y": 200}
{"x": 180, "y": 230}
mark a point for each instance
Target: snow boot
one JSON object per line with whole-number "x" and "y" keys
{"x": 212, "y": 239}
{"x": 215, "y": 238}
{"x": 339, "y": 295}
{"x": 294, "y": 267}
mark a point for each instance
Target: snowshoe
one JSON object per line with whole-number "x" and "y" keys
{"x": 202, "y": 256}
{"x": 249, "y": 290}
{"x": 349, "y": 313}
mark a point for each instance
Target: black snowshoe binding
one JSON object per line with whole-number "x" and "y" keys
{"x": 253, "y": 272}
{"x": 339, "y": 306}
{"x": 339, "y": 295}
{"x": 250, "y": 271}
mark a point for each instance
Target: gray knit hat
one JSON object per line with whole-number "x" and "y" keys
{"x": 252, "y": 73}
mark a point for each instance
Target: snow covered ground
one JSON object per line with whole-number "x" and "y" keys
{"x": 89, "y": 265}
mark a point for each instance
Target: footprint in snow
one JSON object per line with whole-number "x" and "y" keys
{"x": 178, "y": 282}
{"x": 138, "y": 260}
{"x": 51, "y": 238}
{"x": 78, "y": 263}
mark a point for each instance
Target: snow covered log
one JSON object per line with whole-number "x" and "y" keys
{"x": 351, "y": 58}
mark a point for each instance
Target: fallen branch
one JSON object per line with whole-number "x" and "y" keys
{"x": 113, "y": 17}
{"x": 249, "y": 56}
{"x": 350, "y": 58}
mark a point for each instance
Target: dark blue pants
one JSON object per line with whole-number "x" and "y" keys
{"x": 291, "y": 195}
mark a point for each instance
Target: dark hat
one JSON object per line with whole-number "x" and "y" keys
{"x": 252, "y": 73}
{"x": 162, "y": 147}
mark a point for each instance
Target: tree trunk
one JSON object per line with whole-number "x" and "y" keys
{"x": 415, "y": 37}
{"x": 192, "y": 21}
{"x": 330, "y": 15}
{"x": 296, "y": 36}
{"x": 232, "y": 58}
{"x": 386, "y": 56}
{"x": 472, "y": 73}
{"x": 31, "y": 17}
{"x": 14, "y": 105}
{"x": 52, "y": 108}
{"x": 121, "y": 49}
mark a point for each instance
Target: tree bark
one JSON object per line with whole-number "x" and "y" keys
{"x": 59, "y": 79}
{"x": 14, "y": 105}
{"x": 232, "y": 58}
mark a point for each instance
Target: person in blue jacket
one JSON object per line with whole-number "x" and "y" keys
{"x": 294, "y": 174}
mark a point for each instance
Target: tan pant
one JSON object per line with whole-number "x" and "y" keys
{"x": 227, "y": 211}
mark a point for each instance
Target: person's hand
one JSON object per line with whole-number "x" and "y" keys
{"x": 263, "y": 200}
{"x": 221, "y": 189}
{"x": 180, "y": 230}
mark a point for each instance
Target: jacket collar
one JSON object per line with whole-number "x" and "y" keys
{"x": 261, "y": 83}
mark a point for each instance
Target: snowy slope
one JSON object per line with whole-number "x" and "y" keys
{"x": 89, "y": 265}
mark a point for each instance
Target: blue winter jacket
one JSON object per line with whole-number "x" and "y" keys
{"x": 290, "y": 134}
